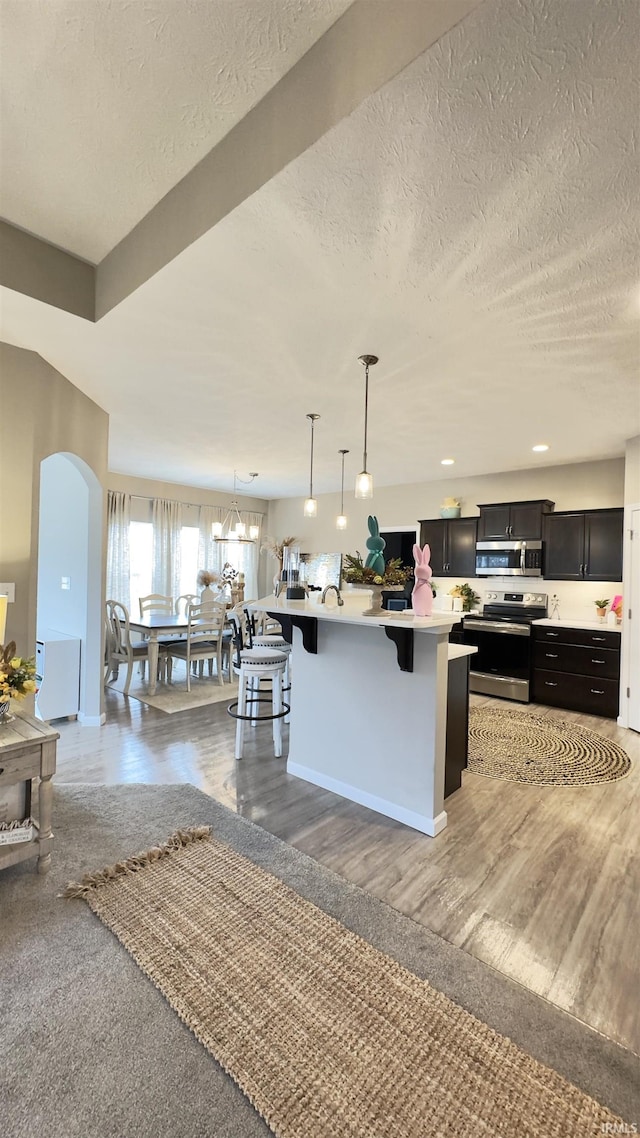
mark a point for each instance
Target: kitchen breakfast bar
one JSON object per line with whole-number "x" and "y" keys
{"x": 369, "y": 704}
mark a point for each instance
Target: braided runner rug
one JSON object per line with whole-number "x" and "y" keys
{"x": 524, "y": 747}
{"x": 327, "y": 1036}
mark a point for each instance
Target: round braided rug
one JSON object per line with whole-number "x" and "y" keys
{"x": 524, "y": 747}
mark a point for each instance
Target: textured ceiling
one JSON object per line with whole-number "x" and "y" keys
{"x": 474, "y": 223}
{"x": 108, "y": 103}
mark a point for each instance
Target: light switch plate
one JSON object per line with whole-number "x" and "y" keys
{"x": 8, "y": 589}
{"x": 65, "y": 582}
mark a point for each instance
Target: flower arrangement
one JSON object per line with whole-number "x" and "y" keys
{"x": 229, "y": 574}
{"x": 205, "y": 578}
{"x": 16, "y": 674}
{"x": 357, "y": 573}
{"x": 469, "y": 597}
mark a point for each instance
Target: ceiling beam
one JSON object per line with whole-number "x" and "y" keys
{"x": 35, "y": 268}
{"x": 373, "y": 41}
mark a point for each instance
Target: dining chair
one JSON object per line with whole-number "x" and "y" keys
{"x": 204, "y": 639}
{"x": 119, "y": 648}
{"x": 156, "y": 603}
{"x": 183, "y": 600}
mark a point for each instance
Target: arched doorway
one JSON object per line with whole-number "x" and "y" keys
{"x": 70, "y": 561}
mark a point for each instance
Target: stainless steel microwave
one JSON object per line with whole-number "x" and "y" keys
{"x": 509, "y": 559}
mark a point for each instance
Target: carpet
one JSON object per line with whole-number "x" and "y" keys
{"x": 91, "y": 1049}
{"x": 174, "y": 697}
{"x": 324, "y": 1034}
{"x": 524, "y": 747}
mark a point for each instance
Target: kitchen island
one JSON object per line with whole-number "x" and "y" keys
{"x": 369, "y": 705}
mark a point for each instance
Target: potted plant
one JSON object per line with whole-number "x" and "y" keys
{"x": 469, "y": 597}
{"x": 602, "y": 608}
{"x": 17, "y": 677}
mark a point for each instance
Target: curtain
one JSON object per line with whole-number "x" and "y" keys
{"x": 118, "y": 559}
{"x": 207, "y": 546}
{"x": 167, "y": 527}
{"x": 242, "y": 556}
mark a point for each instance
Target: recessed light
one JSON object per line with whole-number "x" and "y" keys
{"x": 540, "y": 446}
{"x": 447, "y": 461}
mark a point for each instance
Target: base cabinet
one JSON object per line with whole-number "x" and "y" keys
{"x": 577, "y": 669}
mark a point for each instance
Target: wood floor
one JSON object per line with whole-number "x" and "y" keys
{"x": 542, "y": 883}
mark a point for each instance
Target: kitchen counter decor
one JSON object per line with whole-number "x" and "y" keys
{"x": 523, "y": 747}
{"x": 374, "y": 574}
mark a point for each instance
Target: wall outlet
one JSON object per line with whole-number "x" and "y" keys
{"x": 65, "y": 582}
{"x": 8, "y": 588}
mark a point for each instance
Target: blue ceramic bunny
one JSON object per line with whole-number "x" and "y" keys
{"x": 375, "y": 544}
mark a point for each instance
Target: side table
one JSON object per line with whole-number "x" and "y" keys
{"x": 28, "y": 751}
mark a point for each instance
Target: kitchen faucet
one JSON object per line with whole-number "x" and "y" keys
{"x": 327, "y": 589}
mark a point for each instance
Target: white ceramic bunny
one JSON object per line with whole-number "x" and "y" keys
{"x": 422, "y": 595}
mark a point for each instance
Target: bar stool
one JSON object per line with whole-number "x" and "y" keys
{"x": 252, "y": 665}
{"x": 270, "y": 640}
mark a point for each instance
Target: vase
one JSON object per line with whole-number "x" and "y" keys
{"x": 376, "y": 591}
{"x": 4, "y": 711}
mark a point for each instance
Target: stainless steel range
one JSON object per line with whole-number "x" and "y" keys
{"x": 502, "y": 635}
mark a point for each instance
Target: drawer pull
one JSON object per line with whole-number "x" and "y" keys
{"x": 598, "y": 661}
{"x": 596, "y": 691}
{"x": 551, "y": 655}
{"x": 553, "y": 634}
{"x": 598, "y": 639}
{"x": 548, "y": 684}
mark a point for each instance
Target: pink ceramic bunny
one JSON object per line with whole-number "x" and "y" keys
{"x": 422, "y": 595}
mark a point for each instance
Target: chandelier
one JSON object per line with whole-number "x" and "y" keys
{"x": 236, "y": 529}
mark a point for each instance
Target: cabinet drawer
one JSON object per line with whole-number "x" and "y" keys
{"x": 575, "y": 658}
{"x": 19, "y": 765}
{"x": 584, "y": 636}
{"x": 576, "y": 693}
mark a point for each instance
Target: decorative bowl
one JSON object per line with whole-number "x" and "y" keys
{"x": 450, "y": 511}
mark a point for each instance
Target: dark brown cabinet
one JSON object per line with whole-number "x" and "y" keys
{"x": 583, "y": 546}
{"x": 453, "y": 545}
{"x": 577, "y": 669}
{"x": 513, "y": 519}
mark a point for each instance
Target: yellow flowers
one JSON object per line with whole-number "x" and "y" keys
{"x": 16, "y": 674}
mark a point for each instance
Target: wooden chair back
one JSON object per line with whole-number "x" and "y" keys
{"x": 156, "y": 603}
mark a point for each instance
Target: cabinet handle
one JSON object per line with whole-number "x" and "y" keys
{"x": 596, "y": 691}
{"x": 557, "y": 634}
{"x": 548, "y": 684}
{"x": 598, "y": 661}
{"x": 594, "y": 638}
{"x": 551, "y": 655}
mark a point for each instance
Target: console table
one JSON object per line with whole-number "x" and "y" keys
{"x": 28, "y": 751}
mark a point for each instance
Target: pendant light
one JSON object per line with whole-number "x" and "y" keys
{"x": 233, "y": 524}
{"x": 310, "y": 505}
{"x": 341, "y": 521}
{"x": 364, "y": 481}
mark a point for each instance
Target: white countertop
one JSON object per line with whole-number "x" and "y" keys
{"x": 351, "y": 613}
{"x": 588, "y": 625}
{"x": 458, "y": 650}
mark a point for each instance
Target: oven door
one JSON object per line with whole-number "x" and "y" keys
{"x": 502, "y": 663}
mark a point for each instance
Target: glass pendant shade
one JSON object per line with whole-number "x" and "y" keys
{"x": 364, "y": 485}
{"x": 241, "y": 529}
{"x": 341, "y": 522}
{"x": 310, "y": 508}
{"x": 216, "y": 529}
{"x": 254, "y": 532}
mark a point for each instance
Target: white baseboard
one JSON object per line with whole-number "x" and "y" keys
{"x": 429, "y": 826}
{"x": 92, "y": 720}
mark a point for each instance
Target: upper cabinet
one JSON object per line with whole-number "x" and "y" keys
{"x": 453, "y": 545}
{"x": 519, "y": 520}
{"x": 583, "y": 546}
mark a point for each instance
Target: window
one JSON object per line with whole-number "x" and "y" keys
{"x": 141, "y": 555}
